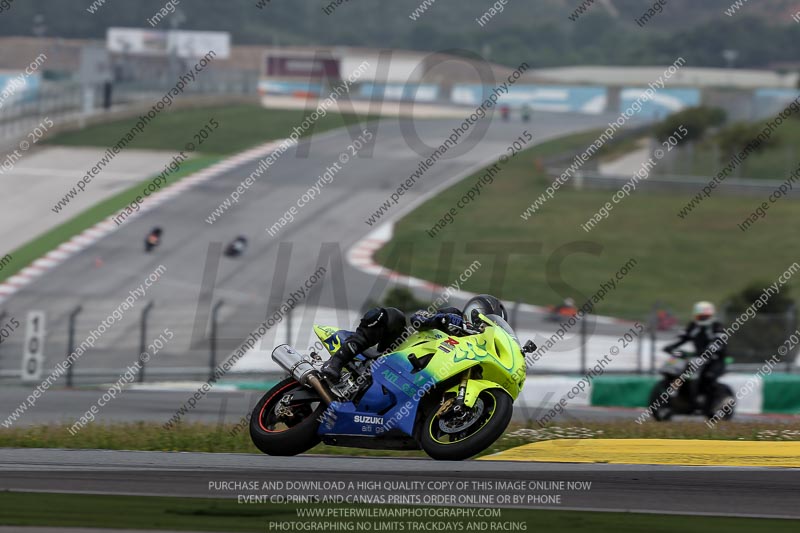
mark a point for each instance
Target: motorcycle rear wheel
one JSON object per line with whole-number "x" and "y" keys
{"x": 280, "y": 427}
{"x": 662, "y": 412}
{"x": 723, "y": 395}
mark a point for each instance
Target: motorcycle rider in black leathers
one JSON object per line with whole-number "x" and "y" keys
{"x": 383, "y": 326}
{"x": 708, "y": 337}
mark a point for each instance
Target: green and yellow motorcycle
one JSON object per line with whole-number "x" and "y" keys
{"x": 451, "y": 396}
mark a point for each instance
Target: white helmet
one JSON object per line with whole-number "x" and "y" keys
{"x": 704, "y": 313}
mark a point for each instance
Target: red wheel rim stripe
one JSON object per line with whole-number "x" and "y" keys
{"x": 263, "y": 407}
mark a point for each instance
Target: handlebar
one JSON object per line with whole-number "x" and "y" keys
{"x": 467, "y": 330}
{"x": 681, "y": 354}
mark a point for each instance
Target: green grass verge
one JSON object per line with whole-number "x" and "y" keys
{"x": 704, "y": 256}
{"x": 200, "y": 514}
{"x": 616, "y": 149}
{"x": 214, "y": 439}
{"x": 240, "y": 127}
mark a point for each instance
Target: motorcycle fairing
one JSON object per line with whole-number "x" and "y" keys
{"x": 390, "y": 403}
{"x": 332, "y": 338}
{"x": 392, "y": 400}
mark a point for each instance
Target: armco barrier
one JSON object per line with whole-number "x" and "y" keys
{"x": 782, "y": 393}
{"x": 622, "y": 391}
{"x": 776, "y": 393}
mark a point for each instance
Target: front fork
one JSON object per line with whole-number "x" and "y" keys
{"x": 462, "y": 391}
{"x": 457, "y": 403}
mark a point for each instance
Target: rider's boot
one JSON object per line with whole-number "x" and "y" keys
{"x": 332, "y": 369}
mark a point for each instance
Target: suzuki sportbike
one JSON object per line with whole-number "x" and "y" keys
{"x": 449, "y": 396}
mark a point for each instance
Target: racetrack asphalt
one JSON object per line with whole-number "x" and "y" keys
{"x": 43, "y": 177}
{"x": 757, "y": 492}
{"x": 101, "y": 276}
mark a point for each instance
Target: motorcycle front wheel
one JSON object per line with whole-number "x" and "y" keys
{"x": 453, "y": 436}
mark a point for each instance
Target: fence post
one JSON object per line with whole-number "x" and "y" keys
{"x": 791, "y": 315}
{"x": 223, "y": 410}
{"x": 652, "y": 349}
{"x": 143, "y": 338}
{"x": 213, "y": 339}
{"x": 639, "y": 355}
{"x": 73, "y": 318}
{"x": 3, "y": 315}
{"x": 514, "y": 315}
{"x": 583, "y": 344}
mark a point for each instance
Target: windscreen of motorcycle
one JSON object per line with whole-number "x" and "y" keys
{"x": 498, "y": 320}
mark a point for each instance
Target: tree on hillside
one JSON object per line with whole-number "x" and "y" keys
{"x": 744, "y": 135}
{"x": 536, "y": 32}
{"x": 760, "y": 335}
{"x": 696, "y": 120}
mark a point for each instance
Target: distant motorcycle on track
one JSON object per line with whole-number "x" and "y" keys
{"x": 681, "y": 401}
{"x": 563, "y": 311}
{"x": 153, "y": 239}
{"x": 236, "y": 247}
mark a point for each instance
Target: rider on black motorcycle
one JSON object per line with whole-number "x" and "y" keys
{"x": 383, "y": 326}
{"x": 153, "y": 239}
{"x": 236, "y": 247}
{"x": 708, "y": 337}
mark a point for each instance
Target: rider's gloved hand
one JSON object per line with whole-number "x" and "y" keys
{"x": 421, "y": 318}
{"x": 449, "y": 322}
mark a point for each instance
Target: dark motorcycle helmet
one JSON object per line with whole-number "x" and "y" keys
{"x": 483, "y": 304}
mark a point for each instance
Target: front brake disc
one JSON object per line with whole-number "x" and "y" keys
{"x": 461, "y": 422}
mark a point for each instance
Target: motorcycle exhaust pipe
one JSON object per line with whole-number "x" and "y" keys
{"x": 301, "y": 370}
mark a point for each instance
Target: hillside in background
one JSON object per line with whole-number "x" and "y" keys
{"x": 676, "y": 13}
{"x": 540, "y": 32}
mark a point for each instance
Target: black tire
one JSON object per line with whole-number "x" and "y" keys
{"x": 722, "y": 395}
{"x": 664, "y": 412}
{"x": 295, "y": 438}
{"x": 490, "y": 430}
